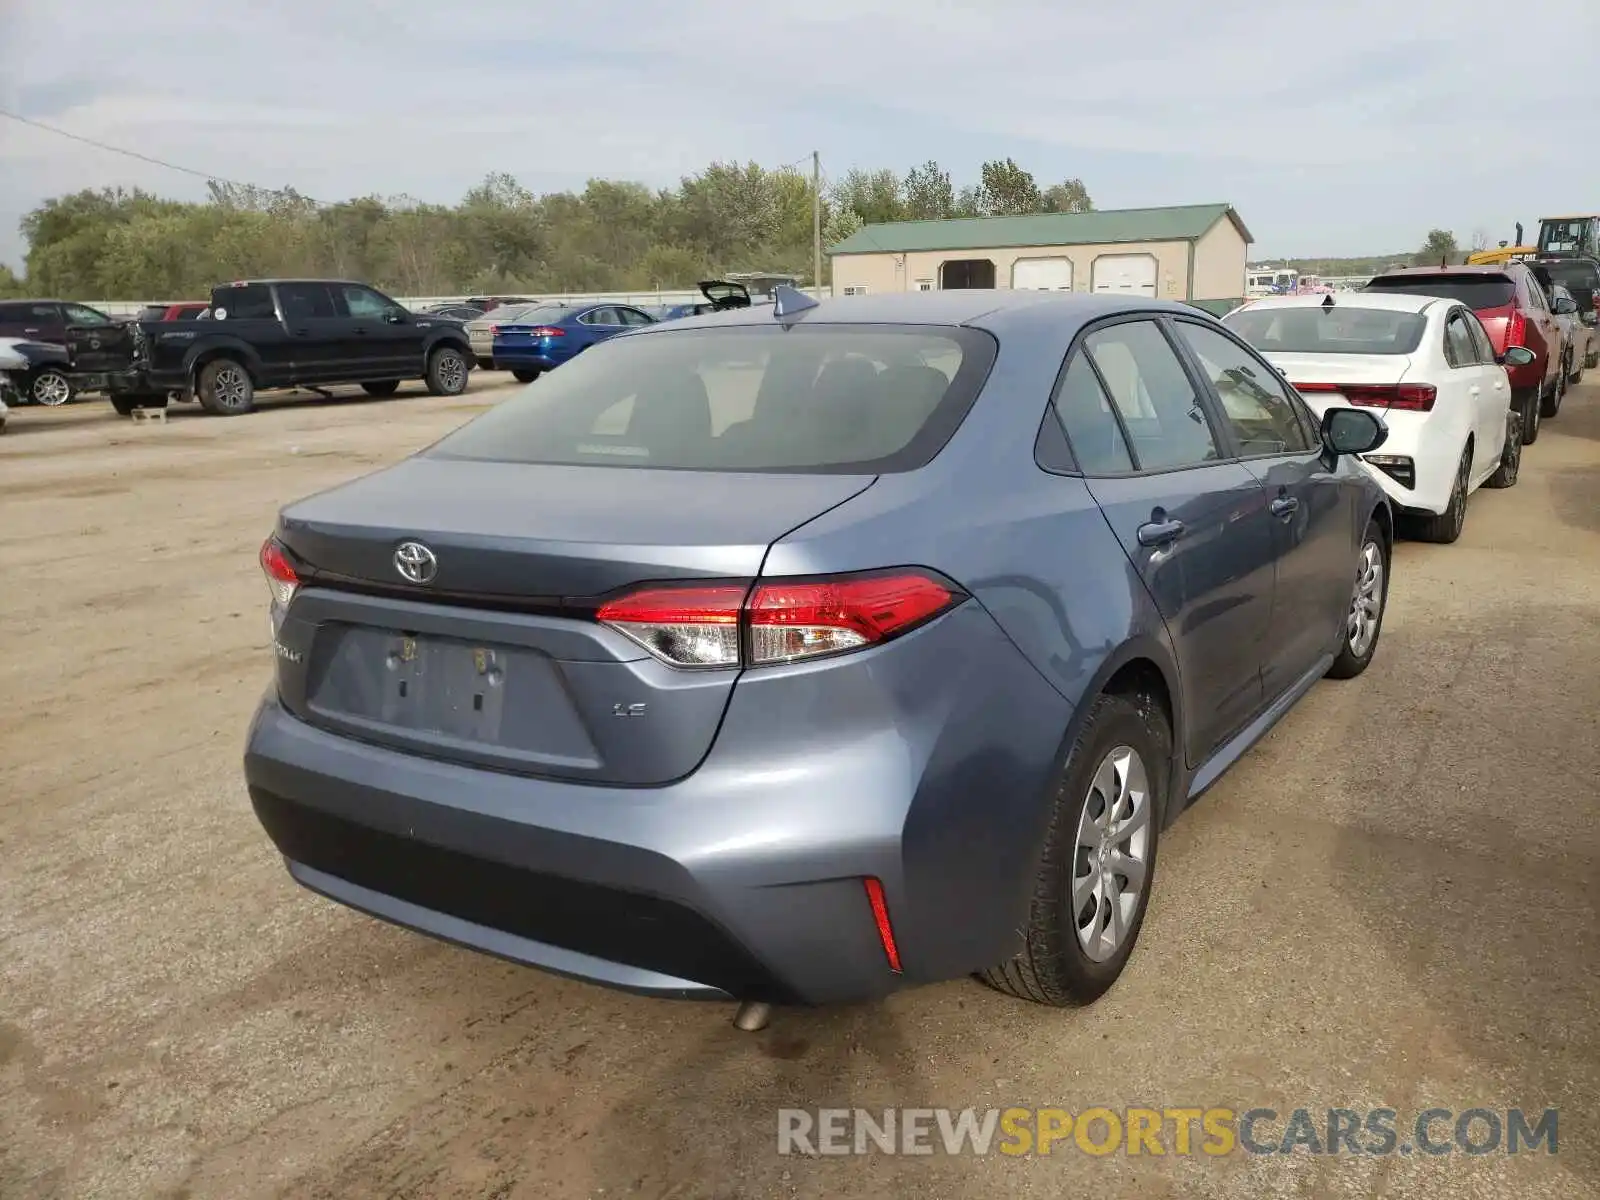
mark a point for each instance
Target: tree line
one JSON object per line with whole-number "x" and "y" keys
{"x": 117, "y": 244}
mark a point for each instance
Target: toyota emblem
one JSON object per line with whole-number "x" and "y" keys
{"x": 415, "y": 562}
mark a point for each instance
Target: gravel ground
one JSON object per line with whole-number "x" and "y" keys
{"x": 1390, "y": 902}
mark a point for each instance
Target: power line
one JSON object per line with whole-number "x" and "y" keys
{"x": 208, "y": 176}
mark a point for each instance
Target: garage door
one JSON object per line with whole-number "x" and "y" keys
{"x": 1125, "y": 274}
{"x": 1042, "y": 274}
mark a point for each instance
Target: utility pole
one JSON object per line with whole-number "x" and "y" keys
{"x": 816, "y": 222}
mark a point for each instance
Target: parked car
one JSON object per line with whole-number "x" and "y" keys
{"x": 275, "y": 333}
{"x": 1580, "y": 275}
{"x": 1575, "y": 336}
{"x": 480, "y": 332}
{"x": 1510, "y": 300}
{"x": 541, "y": 338}
{"x": 487, "y": 304}
{"x": 455, "y": 312}
{"x": 720, "y": 295}
{"x": 47, "y": 377}
{"x": 186, "y": 310}
{"x": 897, "y": 677}
{"x": 12, "y": 366}
{"x": 1427, "y": 366}
{"x": 46, "y": 320}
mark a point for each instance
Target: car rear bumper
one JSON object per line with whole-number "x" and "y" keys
{"x": 523, "y": 360}
{"x": 744, "y": 879}
{"x": 1433, "y": 455}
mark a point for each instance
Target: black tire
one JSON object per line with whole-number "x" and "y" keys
{"x": 225, "y": 388}
{"x": 1505, "y": 475}
{"x": 1550, "y": 405}
{"x": 381, "y": 387}
{"x": 1053, "y": 967}
{"x": 526, "y": 376}
{"x": 1530, "y": 402}
{"x": 447, "y": 371}
{"x": 51, "y": 387}
{"x": 1355, "y": 656}
{"x": 1593, "y": 360}
{"x": 1446, "y": 527}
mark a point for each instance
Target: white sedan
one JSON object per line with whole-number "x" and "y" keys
{"x": 1427, "y": 363}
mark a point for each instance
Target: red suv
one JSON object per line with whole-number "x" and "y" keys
{"x": 1512, "y": 302}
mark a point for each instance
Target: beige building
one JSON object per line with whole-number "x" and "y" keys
{"x": 1193, "y": 252}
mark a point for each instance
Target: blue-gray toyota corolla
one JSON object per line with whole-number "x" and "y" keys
{"x": 802, "y": 653}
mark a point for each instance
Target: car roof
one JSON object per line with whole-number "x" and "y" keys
{"x": 1398, "y": 301}
{"x": 1496, "y": 269}
{"x": 988, "y": 309}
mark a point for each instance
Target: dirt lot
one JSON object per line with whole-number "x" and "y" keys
{"x": 1391, "y": 902}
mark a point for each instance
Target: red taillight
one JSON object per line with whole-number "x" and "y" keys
{"x": 544, "y": 331}
{"x": 1516, "y": 328}
{"x": 786, "y": 620}
{"x": 1407, "y": 397}
{"x": 880, "y": 916}
{"x": 686, "y": 627}
{"x": 494, "y": 331}
{"x": 281, "y": 578}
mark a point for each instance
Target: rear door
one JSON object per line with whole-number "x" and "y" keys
{"x": 317, "y": 331}
{"x": 249, "y": 311}
{"x": 33, "y": 320}
{"x": 1194, "y": 525}
{"x": 1471, "y": 389}
{"x": 1309, "y": 508}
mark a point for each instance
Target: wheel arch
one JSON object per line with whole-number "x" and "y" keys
{"x": 240, "y": 352}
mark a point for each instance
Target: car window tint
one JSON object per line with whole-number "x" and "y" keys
{"x": 362, "y": 301}
{"x": 1253, "y": 398}
{"x": 836, "y": 398}
{"x": 1091, "y": 425}
{"x": 632, "y": 316}
{"x": 1345, "y": 328}
{"x": 1458, "y": 348}
{"x": 1164, "y": 418}
{"x": 305, "y": 301}
{"x": 1483, "y": 348}
{"x": 251, "y": 301}
{"x": 1478, "y": 290}
{"x": 82, "y": 314}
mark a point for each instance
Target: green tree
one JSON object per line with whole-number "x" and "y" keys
{"x": 1007, "y": 190}
{"x": 928, "y": 193}
{"x": 1438, "y": 248}
{"x": 1069, "y": 196}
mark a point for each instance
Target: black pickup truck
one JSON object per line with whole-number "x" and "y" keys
{"x": 274, "y": 333}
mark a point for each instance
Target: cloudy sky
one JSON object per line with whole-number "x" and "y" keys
{"x": 1340, "y": 127}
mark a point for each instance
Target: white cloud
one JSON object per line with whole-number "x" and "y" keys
{"x": 1365, "y": 119}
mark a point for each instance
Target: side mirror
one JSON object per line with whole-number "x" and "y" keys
{"x": 396, "y": 316}
{"x": 1352, "y": 431}
{"x": 1517, "y": 356}
{"x": 1589, "y": 317}
{"x": 1565, "y": 307}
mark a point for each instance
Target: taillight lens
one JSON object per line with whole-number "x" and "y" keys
{"x": 1516, "y": 328}
{"x": 777, "y": 621}
{"x": 686, "y": 627}
{"x": 546, "y": 331}
{"x": 494, "y": 331}
{"x": 1406, "y": 397}
{"x": 281, "y": 578}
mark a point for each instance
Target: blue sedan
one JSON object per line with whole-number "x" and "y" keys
{"x": 543, "y": 338}
{"x": 809, "y": 652}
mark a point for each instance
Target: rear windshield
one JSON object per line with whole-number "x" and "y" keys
{"x": 1579, "y": 278}
{"x": 533, "y": 314}
{"x": 1340, "y": 329}
{"x": 813, "y": 398}
{"x": 1478, "y": 291}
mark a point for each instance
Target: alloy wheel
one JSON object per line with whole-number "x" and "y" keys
{"x": 1366, "y": 605}
{"x": 452, "y": 373}
{"x": 230, "y": 387}
{"x": 1112, "y": 861}
{"x": 52, "y": 389}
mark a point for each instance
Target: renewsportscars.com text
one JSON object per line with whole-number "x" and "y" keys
{"x": 1212, "y": 1132}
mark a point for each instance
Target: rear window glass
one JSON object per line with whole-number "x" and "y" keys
{"x": 840, "y": 398}
{"x": 251, "y": 301}
{"x": 1340, "y": 329}
{"x": 532, "y": 314}
{"x": 1475, "y": 291}
{"x": 1579, "y": 278}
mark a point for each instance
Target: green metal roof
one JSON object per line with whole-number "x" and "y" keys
{"x": 1174, "y": 224}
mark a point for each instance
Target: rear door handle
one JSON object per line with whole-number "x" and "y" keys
{"x": 1284, "y": 506}
{"x": 1159, "y": 533}
{"x": 361, "y": 331}
{"x": 302, "y": 333}
{"x": 30, "y": 331}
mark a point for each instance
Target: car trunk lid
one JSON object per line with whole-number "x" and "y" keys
{"x": 495, "y": 659}
{"x": 100, "y": 349}
{"x": 1331, "y": 379}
